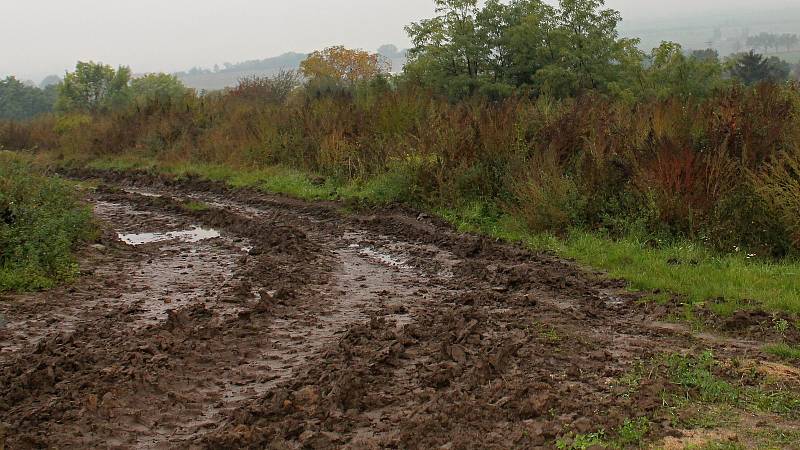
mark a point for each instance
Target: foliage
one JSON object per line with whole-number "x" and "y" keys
{"x": 157, "y": 88}
{"x": 343, "y": 64}
{"x": 629, "y": 435}
{"x": 20, "y": 102}
{"x": 93, "y": 88}
{"x": 779, "y": 186}
{"x": 40, "y": 223}
{"x": 714, "y": 166}
{"x": 751, "y": 68}
{"x": 673, "y": 73}
{"x": 275, "y": 89}
{"x": 526, "y": 44}
{"x": 582, "y": 441}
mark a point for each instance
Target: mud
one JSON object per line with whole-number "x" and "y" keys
{"x": 265, "y": 322}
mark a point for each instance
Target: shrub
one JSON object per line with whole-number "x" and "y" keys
{"x": 547, "y": 199}
{"x": 41, "y": 221}
{"x": 778, "y": 183}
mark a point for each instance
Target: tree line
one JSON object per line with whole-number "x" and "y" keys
{"x": 767, "y": 41}
{"x": 494, "y": 49}
{"x": 91, "y": 88}
{"x": 531, "y": 46}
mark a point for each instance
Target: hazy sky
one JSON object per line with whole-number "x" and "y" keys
{"x": 41, "y": 37}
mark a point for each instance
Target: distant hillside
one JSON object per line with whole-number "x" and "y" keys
{"x": 229, "y": 74}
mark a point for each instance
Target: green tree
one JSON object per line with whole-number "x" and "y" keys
{"x": 19, "y": 101}
{"x": 671, "y": 72}
{"x": 590, "y": 54}
{"x": 160, "y": 87}
{"x": 707, "y": 55}
{"x": 448, "y": 52}
{"x": 94, "y": 87}
{"x": 523, "y": 44}
{"x": 751, "y": 68}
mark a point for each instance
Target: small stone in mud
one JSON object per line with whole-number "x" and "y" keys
{"x": 99, "y": 247}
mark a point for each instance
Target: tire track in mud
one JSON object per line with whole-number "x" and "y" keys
{"x": 303, "y": 326}
{"x": 193, "y": 292}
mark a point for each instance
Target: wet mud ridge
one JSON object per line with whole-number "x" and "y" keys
{"x": 209, "y": 318}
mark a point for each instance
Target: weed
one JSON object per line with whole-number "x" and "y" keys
{"x": 630, "y": 434}
{"x": 581, "y": 441}
{"x": 632, "y": 379}
{"x": 548, "y": 332}
{"x": 633, "y": 432}
{"x": 780, "y": 325}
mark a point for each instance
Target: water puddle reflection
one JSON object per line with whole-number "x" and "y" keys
{"x": 196, "y": 234}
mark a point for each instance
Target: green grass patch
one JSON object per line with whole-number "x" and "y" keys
{"x": 631, "y": 434}
{"x": 693, "y": 271}
{"x": 274, "y": 179}
{"x": 396, "y": 185}
{"x": 784, "y": 351}
{"x": 696, "y": 379}
{"x": 41, "y": 222}
{"x": 582, "y": 441}
{"x": 195, "y": 206}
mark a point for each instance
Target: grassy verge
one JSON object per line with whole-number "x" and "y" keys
{"x": 733, "y": 281}
{"x": 41, "y": 220}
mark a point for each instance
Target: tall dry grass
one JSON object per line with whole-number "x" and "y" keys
{"x": 723, "y": 169}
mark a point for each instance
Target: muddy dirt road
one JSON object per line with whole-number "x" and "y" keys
{"x": 209, "y": 318}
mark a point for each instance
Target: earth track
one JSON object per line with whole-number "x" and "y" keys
{"x": 305, "y": 326}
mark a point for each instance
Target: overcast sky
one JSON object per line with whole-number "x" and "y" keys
{"x": 41, "y": 37}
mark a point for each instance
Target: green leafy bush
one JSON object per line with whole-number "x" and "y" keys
{"x": 41, "y": 220}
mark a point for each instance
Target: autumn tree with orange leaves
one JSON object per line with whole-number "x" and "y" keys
{"x": 344, "y": 64}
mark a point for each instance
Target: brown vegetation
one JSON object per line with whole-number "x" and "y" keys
{"x": 721, "y": 169}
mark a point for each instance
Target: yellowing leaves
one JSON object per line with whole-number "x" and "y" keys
{"x": 344, "y": 64}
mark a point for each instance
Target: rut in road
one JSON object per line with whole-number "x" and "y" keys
{"x": 302, "y": 325}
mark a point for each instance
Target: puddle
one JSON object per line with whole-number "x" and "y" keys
{"x": 196, "y": 234}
